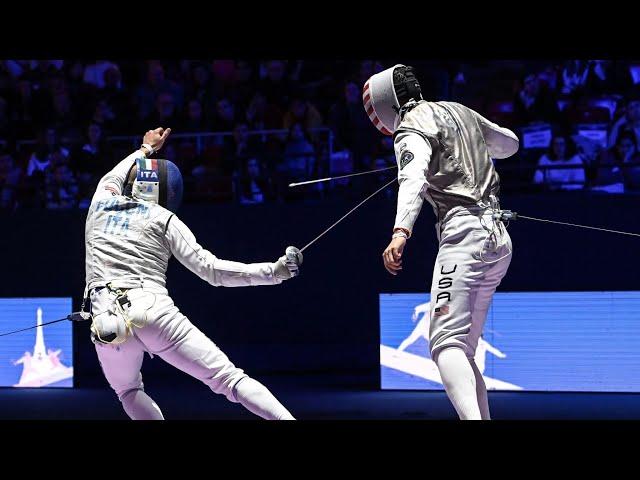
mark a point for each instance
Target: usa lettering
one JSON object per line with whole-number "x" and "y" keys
{"x": 444, "y": 283}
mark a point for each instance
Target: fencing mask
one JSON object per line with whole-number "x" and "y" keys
{"x": 386, "y": 92}
{"x": 157, "y": 181}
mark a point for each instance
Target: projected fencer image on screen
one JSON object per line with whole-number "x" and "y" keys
{"x": 37, "y": 357}
{"x": 538, "y": 341}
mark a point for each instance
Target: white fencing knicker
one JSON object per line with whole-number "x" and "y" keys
{"x": 473, "y": 257}
{"x": 166, "y": 333}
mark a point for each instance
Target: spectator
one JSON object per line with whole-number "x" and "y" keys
{"x": 243, "y": 86}
{"x": 63, "y": 116}
{"x": 535, "y": 103}
{"x": 275, "y": 85}
{"x": 612, "y": 172}
{"x": 115, "y": 94}
{"x": 594, "y": 77}
{"x": 94, "y": 74}
{"x": 240, "y": 148}
{"x": 195, "y": 120}
{"x": 46, "y": 147}
{"x": 225, "y": 118}
{"x": 253, "y": 186}
{"x": 629, "y": 122}
{"x": 90, "y": 162}
{"x": 10, "y": 175}
{"x": 105, "y": 117}
{"x": 4, "y": 118}
{"x": 262, "y": 116}
{"x": 62, "y": 190}
{"x": 156, "y": 83}
{"x": 351, "y": 127}
{"x": 299, "y": 154}
{"x": 165, "y": 112}
{"x": 200, "y": 87}
{"x": 28, "y": 109}
{"x": 95, "y": 155}
{"x": 83, "y": 95}
{"x": 560, "y": 155}
{"x": 303, "y": 112}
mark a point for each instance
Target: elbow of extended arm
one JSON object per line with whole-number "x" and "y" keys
{"x": 504, "y": 145}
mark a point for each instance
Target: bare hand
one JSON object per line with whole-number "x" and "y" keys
{"x": 156, "y": 137}
{"x": 392, "y": 256}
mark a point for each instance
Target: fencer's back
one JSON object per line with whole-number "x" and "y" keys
{"x": 461, "y": 172}
{"x": 125, "y": 239}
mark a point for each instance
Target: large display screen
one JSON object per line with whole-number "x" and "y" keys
{"x": 38, "y": 357}
{"x": 539, "y": 341}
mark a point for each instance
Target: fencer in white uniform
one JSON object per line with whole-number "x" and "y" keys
{"x": 444, "y": 153}
{"x": 131, "y": 232}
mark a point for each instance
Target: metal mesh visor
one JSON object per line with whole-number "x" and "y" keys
{"x": 158, "y": 181}
{"x": 380, "y": 100}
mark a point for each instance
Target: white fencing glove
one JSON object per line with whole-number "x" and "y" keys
{"x": 288, "y": 266}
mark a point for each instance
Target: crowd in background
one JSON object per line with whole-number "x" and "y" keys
{"x": 242, "y": 130}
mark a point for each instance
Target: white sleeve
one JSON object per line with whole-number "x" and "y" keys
{"x": 413, "y": 153}
{"x": 113, "y": 182}
{"x": 501, "y": 142}
{"x": 217, "y": 272}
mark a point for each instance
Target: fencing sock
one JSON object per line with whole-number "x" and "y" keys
{"x": 459, "y": 382}
{"x": 256, "y": 398}
{"x": 481, "y": 391}
{"x": 140, "y": 406}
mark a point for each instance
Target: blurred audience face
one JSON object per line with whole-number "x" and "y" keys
{"x": 155, "y": 73}
{"x": 112, "y": 77}
{"x": 548, "y": 77}
{"x": 297, "y": 134}
{"x": 6, "y": 164}
{"x": 253, "y": 168}
{"x": 241, "y": 133}
{"x": 298, "y": 108}
{"x": 531, "y": 85}
{"x": 76, "y": 71}
{"x": 24, "y": 87}
{"x": 62, "y": 174}
{"x": 352, "y": 93}
{"x": 559, "y": 147}
{"x": 103, "y": 110}
{"x": 276, "y": 70}
{"x": 194, "y": 110}
{"x": 200, "y": 75}
{"x": 58, "y": 159}
{"x": 243, "y": 71}
{"x": 51, "y": 137}
{"x": 625, "y": 147}
{"x": 633, "y": 111}
{"x": 225, "y": 109}
{"x": 62, "y": 103}
{"x": 165, "y": 105}
{"x": 57, "y": 84}
{"x": 94, "y": 132}
{"x": 258, "y": 103}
